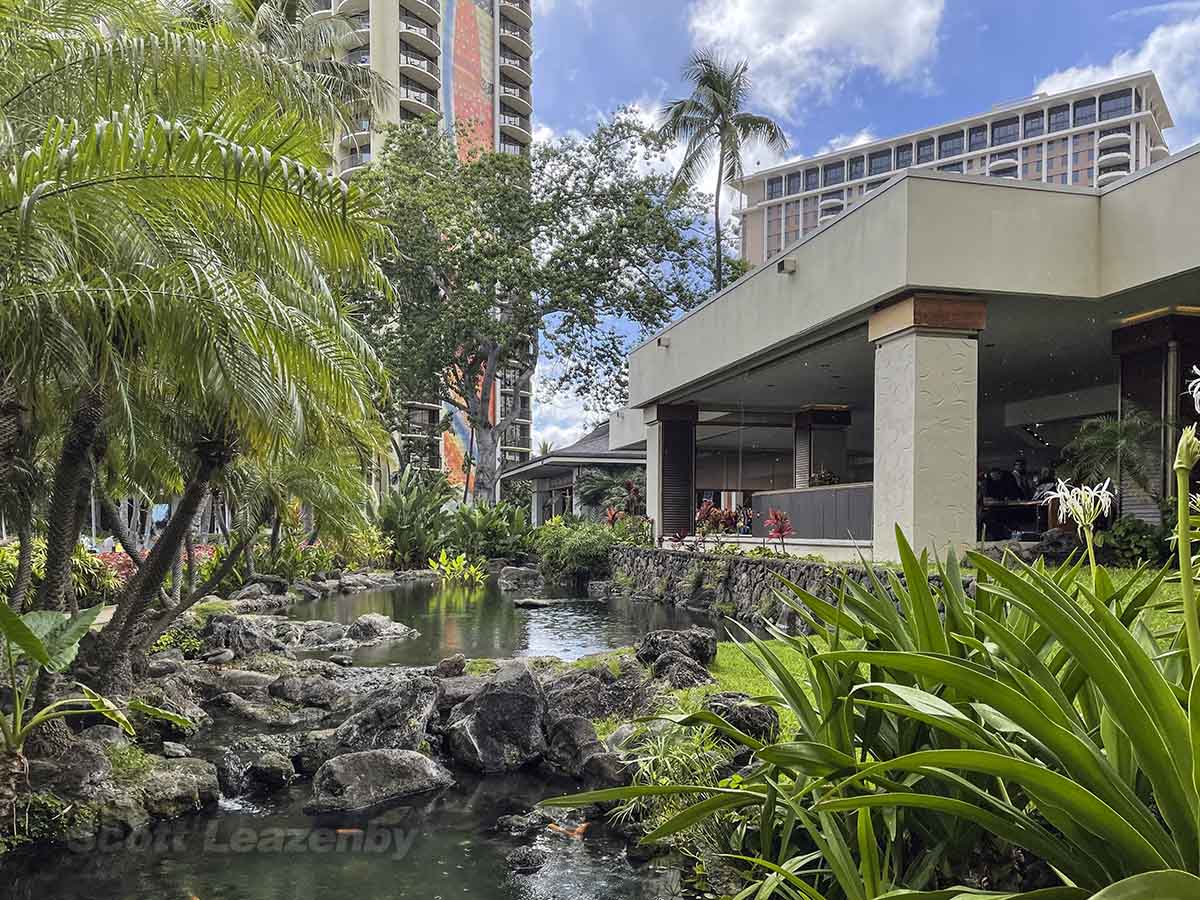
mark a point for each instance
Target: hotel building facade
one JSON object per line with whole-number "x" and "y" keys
{"x": 470, "y": 63}
{"x": 1089, "y": 137}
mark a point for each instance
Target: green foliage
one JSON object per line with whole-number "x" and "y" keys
{"x": 1038, "y": 712}
{"x": 568, "y": 551}
{"x": 129, "y": 762}
{"x": 633, "y": 531}
{"x": 1131, "y": 542}
{"x": 182, "y": 636}
{"x": 94, "y": 581}
{"x": 414, "y": 517}
{"x": 458, "y": 570}
{"x": 1109, "y": 447}
{"x": 490, "y": 532}
{"x": 621, "y": 489}
{"x": 40, "y": 816}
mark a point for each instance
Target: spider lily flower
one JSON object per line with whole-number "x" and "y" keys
{"x": 1083, "y": 505}
{"x": 1194, "y": 387}
{"x": 1187, "y": 454}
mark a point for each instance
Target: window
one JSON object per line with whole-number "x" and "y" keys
{"x": 856, "y": 168}
{"x": 1006, "y": 131}
{"x": 795, "y": 182}
{"x": 774, "y": 187}
{"x": 978, "y": 137}
{"x": 951, "y": 167}
{"x": 1060, "y": 118}
{"x": 875, "y": 185}
{"x": 1035, "y": 124}
{"x": 774, "y": 229}
{"x": 812, "y": 179}
{"x": 925, "y": 151}
{"x": 835, "y": 173}
{"x": 791, "y": 222}
{"x": 1118, "y": 103}
{"x": 904, "y": 156}
{"x": 880, "y": 162}
{"x": 950, "y": 144}
{"x": 808, "y": 221}
{"x": 1085, "y": 111}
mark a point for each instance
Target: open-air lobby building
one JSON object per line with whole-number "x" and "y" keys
{"x": 874, "y": 367}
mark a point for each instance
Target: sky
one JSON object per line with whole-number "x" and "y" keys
{"x": 838, "y": 72}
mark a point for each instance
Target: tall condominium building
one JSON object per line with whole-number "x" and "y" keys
{"x": 1088, "y": 137}
{"x": 469, "y": 62}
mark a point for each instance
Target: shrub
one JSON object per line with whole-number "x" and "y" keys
{"x": 490, "y": 532}
{"x": 1131, "y": 541}
{"x": 96, "y": 580}
{"x": 633, "y": 531}
{"x": 414, "y": 517}
{"x": 458, "y": 569}
{"x": 566, "y": 552}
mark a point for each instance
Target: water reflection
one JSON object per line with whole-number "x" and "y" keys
{"x": 483, "y": 623}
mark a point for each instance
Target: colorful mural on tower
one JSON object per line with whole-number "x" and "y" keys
{"x": 468, "y": 67}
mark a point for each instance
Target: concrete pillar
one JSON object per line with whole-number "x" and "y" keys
{"x": 926, "y": 422}
{"x": 671, "y": 468}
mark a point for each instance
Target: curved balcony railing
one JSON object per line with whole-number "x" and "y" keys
{"x": 421, "y": 34}
{"x": 418, "y": 99}
{"x": 516, "y": 38}
{"x": 420, "y": 67}
{"x": 519, "y": 70}
{"x": 518, "y": 97}
{"x": 429, "y": 10}
{"x": 516, "y": 126}
{"x": 519, "y": 11}
{"x": 1109, "y": 175}
{"x": 511, "y": 147}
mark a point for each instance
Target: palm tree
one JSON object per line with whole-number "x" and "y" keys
{"x": 713, "y": 125}
{"x": 545, "y": 447}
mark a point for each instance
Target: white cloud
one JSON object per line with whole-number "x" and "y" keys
{"x": 1157, "y": 9}
{"x": 801, "y": 50}
{"x": 1172, "y": 51}
{"x": 557, "y": 418}
{"x": 545, "y": 7}
{"x": 846, "y": 141}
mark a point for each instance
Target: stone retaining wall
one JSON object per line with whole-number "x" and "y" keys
{"x": 736, "y": 586}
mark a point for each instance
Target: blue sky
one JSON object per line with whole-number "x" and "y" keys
{"x": 836, "y": 72}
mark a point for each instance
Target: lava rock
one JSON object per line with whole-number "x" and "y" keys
{"x": 267, "y": 713}
{"x": 451, "y": 666}
{"x": 521, "y": 578}
{"x": 755, "y": 719}
{"x": 374, "y": 627}
{"x": 527, "y": 824}
{"x": 177, "y": 786}
{"x": 360, "y": 781}
{"x": 270, "y": 772}
{"x": 168, "y": 662}
{"x": 344, "y": 660}
{"x": 698, "y": 643}
{"x": 453, "y": 691}
{"x": 308, "y": 690}
{"x": 394, "y": 719}
{"x": 106, "y": 734}
{"x": 527, "y": 860}
{"x": 172, "y": 750}
{"x": 250, "y": 592}
{"x": 218, "y": 657}
{"x": 596, "y": 692}
{"x": 500, "y": 729}
{"x": 571, "y": 740}
{"x": 681, "y": 671}
{"x": 243, "y": 635}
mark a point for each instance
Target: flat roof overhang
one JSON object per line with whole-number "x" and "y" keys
{"x": 561, "y": 464}
{"x": 996, "y": 238}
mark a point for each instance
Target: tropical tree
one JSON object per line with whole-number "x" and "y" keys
{"x": 545, "y": 447}
{"x": 568, "y": 254}
{"x": 164, "y": 200}
{"x": 713, "y": 126}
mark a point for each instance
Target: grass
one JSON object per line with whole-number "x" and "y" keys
{"x": 129, "y": 762}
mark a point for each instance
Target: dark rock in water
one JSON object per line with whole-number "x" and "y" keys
{"x": 105, "y": 734}
{"x": 571, "y": 740}
{"x": 309, "y": 690}
{"x": 520, "y": 578}
{"x": 308, "y": 590}
{"x": 270, "y": 772}
{"x": 374, "y": 627}
{"x": 177, "y": 786}
{"x": 601, "y": 590}
{"x": 606, "y": 770}
{"x": 342, "y": 659}
{"x": 276, "y": 584}
{"x": 451, "y": 666}
{"x": 243, "y": 635}
{"x": 755, "y": 719}
{"x": 306, "y": 751}
{"x": 218, "y": 657}
{"x": 500, "y": 729}
{"x": 250, "y": 592}
{"x": 527, "y": 860}
{"x": 241, "y": 681}
{"x": 681, "y": 671}
{"x": 535, "y": 602}
{"x": 172, "y": 750}
{"x": 528, "y": 824}
{"x": 698, "y": 643}
{"x": 392, "y": 719}
{"x": 359, "y": 781}
{"x": 596, "y": 692}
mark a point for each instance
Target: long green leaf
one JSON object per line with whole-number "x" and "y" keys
{"x": 17, "y": 632}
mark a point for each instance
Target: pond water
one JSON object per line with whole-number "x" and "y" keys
{"x": 432, "y": 848}
{"x": 483, "y": 623}
{"x": 438, "y": 847}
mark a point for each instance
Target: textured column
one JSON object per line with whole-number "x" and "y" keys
{"x": 926, "y": 424}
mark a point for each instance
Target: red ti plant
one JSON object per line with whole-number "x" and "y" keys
{"x": 612, "y": 516}
{"x": 779, "y": 526}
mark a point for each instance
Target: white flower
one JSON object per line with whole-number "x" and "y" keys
{"x": 1083, "y": 505}
{"x": 1194, "y": 387}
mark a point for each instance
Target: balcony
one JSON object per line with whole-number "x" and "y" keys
{"x": 350, "y": 7}
{"x": 516, "y": 38}
{"x": 359, "y": 57}
{"x": 1108, "y": 176}
{"x": 418, "y": 99}
{"x": 419, "y": 68}
{"x": 354, "y": 163}
{"x": 357, "y": 133}
{"x": 421, "y": 35}
{"x": 515, "y": 126}
{"x": 321, "y": 9}
{"x": 519, "y": 70}
{"x": 517, "y": 97}
{"x": 361, "y": 29}
{"x": 1115, "y": 138}
{"x": 519, "y": 11}
{"x": 428, "y": 10}
{"x": 1118, "y": 157}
